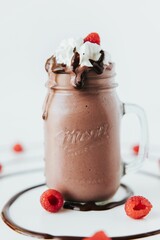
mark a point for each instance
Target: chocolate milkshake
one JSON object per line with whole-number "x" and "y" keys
{"x": 82, "y": 115}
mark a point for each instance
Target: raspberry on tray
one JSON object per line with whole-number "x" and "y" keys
{"x": 51, "y": 200}
{"x": 135, "y": 149}
{"x": 100, "y": 235}
{"x": 18, "y": 148}
{"x": 137, "y": 207}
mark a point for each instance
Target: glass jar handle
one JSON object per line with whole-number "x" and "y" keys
{"x": 136, "y": 163}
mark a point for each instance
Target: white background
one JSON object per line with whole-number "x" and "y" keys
{"x": 30, "y": 32}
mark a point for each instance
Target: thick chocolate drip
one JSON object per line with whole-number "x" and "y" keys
{"x": 47, "y": 104}
{"x": 75, "y": 61}
{"x": 98, "y": 66}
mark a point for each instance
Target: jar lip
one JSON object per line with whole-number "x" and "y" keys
{"x": 99, "y": 84}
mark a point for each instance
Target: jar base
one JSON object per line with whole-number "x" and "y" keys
{"x": 120, "y": 197}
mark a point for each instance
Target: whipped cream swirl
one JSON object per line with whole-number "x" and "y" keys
{"x": 87, "y": 51}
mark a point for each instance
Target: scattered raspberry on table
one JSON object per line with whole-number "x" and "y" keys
{"x": 100, "y": 235}
{"x": 137, "y": 207}
{"x": 51, "y": 200}
{"x": 1, "y": 167}
{"x": 135, "y": 149}
{"x": 18, "y": 148}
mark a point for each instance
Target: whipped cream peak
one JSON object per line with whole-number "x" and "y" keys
{"x": 65, "y": 51}
{"x": 89, "y": 51}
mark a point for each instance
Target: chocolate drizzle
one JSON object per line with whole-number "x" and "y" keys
{"x": 8, "y": 220}
{"x": 68, "y": 205}
{"x": 80, "y": 73}
{"x": 98, "y": 66}
{"x": 75, "y": 60}
{"x": 47, "y": 104}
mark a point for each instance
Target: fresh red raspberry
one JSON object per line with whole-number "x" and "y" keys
{"x": 93, "y": 38}
{"x": 136, "y": 149}
{"x": 100, "y": 235}
{"x": 137, "y": 207}
{"x": 51, "y": 200}
{"x": 1, "y": 167}
{"x": 18, "y": 148}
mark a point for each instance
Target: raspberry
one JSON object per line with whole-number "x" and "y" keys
{"x": 93, "y": 38}
{"x": 51, "y": 200}
{"x": 136, "y": 149}
{"x": 100, "y": 235}
{"x": 18, "y": 148}
{"x": 137, "y": 207}
{"x": 1, "y": 167}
